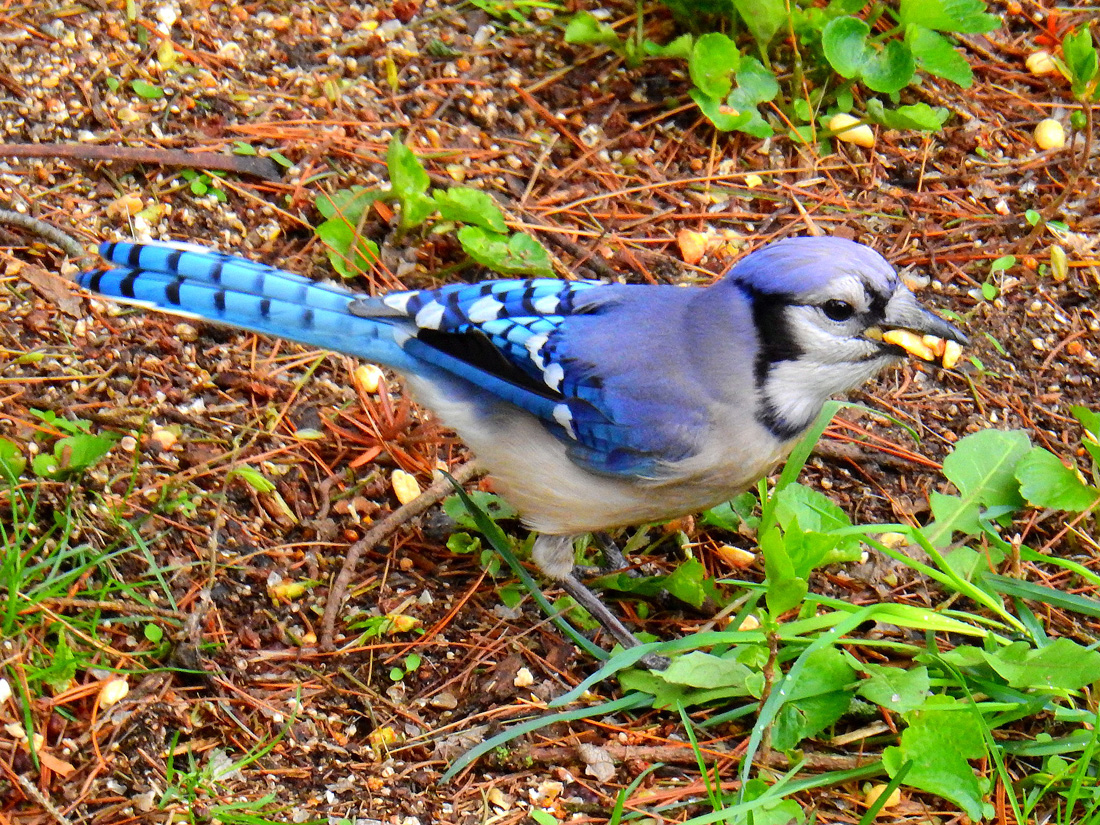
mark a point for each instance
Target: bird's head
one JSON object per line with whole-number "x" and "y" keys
{"x": 829, "y": 314}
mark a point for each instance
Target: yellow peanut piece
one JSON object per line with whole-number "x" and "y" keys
{"x": 1050, "y": 134}
{"x": 910, "y": 342}
{"x": 367, "y": 377}
{"x": 925, "y": 347}
{"x": 952, "y": 352}
{"x": 112, "y": 691}
{"x": 405, "y": 486}
{"x": 1040, "y": 63}
{"x": 850, "y": 130}
{"x": 875, "y": 791}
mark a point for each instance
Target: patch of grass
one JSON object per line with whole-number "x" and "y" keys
{"x": 985, "y": 665}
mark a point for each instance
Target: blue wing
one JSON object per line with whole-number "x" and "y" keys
{"x": 509, "y": 338}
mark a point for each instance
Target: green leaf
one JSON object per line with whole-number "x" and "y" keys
{"x": 492, "y": 505}
{"x": 253, "y": 478}
{"x": 680, "y": 48}
{"x": 890, "y": 70}
{"x": 12, "y": 462}
{"x": 763, "y": 18}
{"x": 146, "y": 90}
{"x": 963, "y": 16}
{"x": 704, "y": 670}
{"x": 755, "y": 82}
{"x": 713, "y": 61}
{"x": 686, "y": 583}
{"x": 837, "y": 7}
{"x": 466, "y": 205}
{"x": 786, "y": 589}
{"x": 936, "y": 55}
{"x": 982, "y": 467}
{"x": 463, "y": 543}
{"x": 72, "y": 455}
{"x": 1081, "y": 59}
{"x": 517, "y": 254}
{"x": 816, "y": 700}
{"x": 725, "y": 118}
{"x": 893, "y": 688}
{"x": 731, "y": 514}
{"x": 351, "y": 255}
{"x": 914, "y": 116}
{"x": 410, "y": 183}
{"x": 242, "y": 148}
{"x": 941, "y": 736}
{"x": 349, "y": 204}
{"x": 844, "y": 42}
{"x": 1046, "y": 482}
{"x": 586, "y": 30}
{"x": 1061, "y": 665}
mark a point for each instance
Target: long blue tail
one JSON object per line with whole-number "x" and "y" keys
{"x": 202, "y": 283}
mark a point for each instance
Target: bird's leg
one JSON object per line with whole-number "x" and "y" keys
{"x": 613, "y": 558}
{"x": 554, "y": 556}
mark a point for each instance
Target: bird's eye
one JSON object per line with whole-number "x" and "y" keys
{"x": 838, "y": 310}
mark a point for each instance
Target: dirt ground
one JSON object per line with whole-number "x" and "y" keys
{"x": 603, "y": 164}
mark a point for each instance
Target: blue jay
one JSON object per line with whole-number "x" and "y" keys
{"x": 593, "y": 405}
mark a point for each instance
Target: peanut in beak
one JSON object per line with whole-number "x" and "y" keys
{"x": 925, "y": 347}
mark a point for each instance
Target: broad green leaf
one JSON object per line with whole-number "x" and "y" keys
{"x": 12, "y": 462}
{"x": 785, "y": 588}
{"x": 679, "y": 48}
{"x": 686, "y": 583}
{"x": 1061, "y": 665}
{"x": 844, "y": 41}
{"x": 890, "y": 70}
{"x": 741, "y": 101}
{"x": 407, "y": 175}
{"x": 349, "y": 204}
{"x": 816, "y": 700}
{"x": 1089, "y": 420}
{"x": 837, "y": 7}
{"x": 492, "y": 505}
{"x": 894, "y": 688}
{"x": 915, "y": 116}
{"x": 517, "y": 254}
{"x": 813, "y": 510}
{"x": 350, "y": 255}
{"x": 1081, "y": 59}
{"x": 982, "y": 467}
{"x": 731, "y": 514}
{"x": 72, "y": 454}
{"x": 941, "y": 736}
{"x": 466, "y": 205}
{"x": 963, "y": 16}
{"x": 1046, "y": 482}
{"x": 724, "y": 117}
{"x": 146, "y": 90}
{"x": 714, "y": 59}
{"x": 936, "y": 55}
{"x": 756, "y": 82}
{"x": 669, "y": 695}
{"x": 584, "y": 29}
{"x": 763, "y": 18}
{"x": 704, "y": 670}
{"x": 415, "y": 210}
